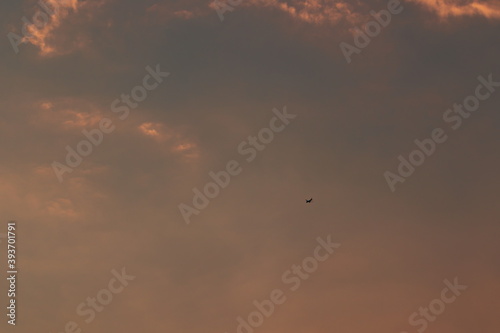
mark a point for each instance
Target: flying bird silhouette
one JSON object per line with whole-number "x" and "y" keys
{"x": 309, "y": 201}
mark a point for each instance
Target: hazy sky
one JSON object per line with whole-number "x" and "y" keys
{"x": 228, "y": 79}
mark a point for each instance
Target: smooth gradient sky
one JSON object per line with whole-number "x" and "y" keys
{"x": 120, "y": 207}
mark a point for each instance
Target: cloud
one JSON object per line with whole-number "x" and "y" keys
{"x": 66, "y": 113}
{"x": 69, "y": 28}
{"x": 54, "y": 30}
{"x": 162, "y": 13}
{"x": 447, "y": 8}
{"x": 120, "y": 206}
{"x": 313, "y": 11}
{"x": 40, "y": 36}
{"x": 322, "y": 11}
{"x": 174, "y": 139}
{"x": 62, "y": 207}
{"x": 309, "y": 11}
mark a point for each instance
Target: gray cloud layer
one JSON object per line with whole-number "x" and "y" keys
{"x": 120, "y": 206}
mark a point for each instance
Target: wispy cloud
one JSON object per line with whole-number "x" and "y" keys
{"x": 447, "y": 8}
{"x": 176, "y": 142}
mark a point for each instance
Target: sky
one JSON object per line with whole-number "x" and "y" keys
{"x": 117, "y": 116}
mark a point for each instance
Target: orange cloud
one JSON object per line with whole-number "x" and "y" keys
{"x": 446, "y": 8}
{"x": 309, "y": 11}
{"x": 324, "y": 11}
{"x": 169, "y": 10}
{"x": 40, "y": 36}
{"x": 70, "y": 113}
{"x": 150, "y": 129}
{"x": 174, "y": 139}
{"x": 313, "y": 11}
{"x": 48, "y": 34}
